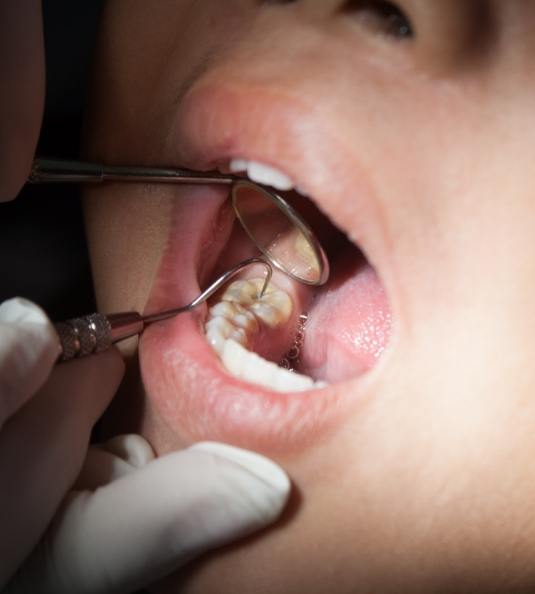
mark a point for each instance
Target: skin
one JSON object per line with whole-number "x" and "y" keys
{"x": 428, "y": 485}
{"x": 22, "y": 71}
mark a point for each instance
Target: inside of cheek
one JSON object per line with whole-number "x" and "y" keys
{"x": 337, "y": 331}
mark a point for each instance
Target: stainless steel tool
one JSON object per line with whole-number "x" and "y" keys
{"x": 94, "y": 333}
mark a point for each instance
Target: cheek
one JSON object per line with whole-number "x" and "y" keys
{"x": 171, "y": 44}
{"x": 127, "y": 233}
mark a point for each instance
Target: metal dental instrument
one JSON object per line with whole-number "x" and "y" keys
{"x": 45, "y": 170}
{"x": 278, "y": 231}
{"x": 95, "y": 333}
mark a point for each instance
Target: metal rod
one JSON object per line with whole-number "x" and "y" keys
{"x": 213, "y": 288}
{"x": 62, "y": 171}
{"x": 88, "y": 335}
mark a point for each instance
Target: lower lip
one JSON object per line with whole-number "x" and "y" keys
{"x": 187, "y": 385}
{"x": 199, "y": 400}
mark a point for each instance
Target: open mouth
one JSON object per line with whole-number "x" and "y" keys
{"x": 266, "y": 371}
{"x": 296, "y": 337}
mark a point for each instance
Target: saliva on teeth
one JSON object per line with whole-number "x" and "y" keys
{"x": 237, "y": 318}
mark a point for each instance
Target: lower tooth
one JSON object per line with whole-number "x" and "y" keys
{"x": 269, "y": 315}
{"x": 239, "y": 336}
{"x": 252, "y": 368}
{"x": 236, "y": 318}
{"x": 217, "y": 331}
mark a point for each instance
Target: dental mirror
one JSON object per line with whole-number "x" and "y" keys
{"x": 273, "y": 225}
{"x": 280, "y": 233}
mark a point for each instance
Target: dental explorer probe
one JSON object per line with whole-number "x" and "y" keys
{"x": 65, "y": 171}
{"x": 94, "y": 333}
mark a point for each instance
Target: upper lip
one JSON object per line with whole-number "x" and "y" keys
{"x": 282, "y": 131}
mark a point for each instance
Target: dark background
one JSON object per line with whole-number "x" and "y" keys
{"x": 43, "y": 252}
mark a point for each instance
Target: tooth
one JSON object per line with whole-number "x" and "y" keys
{"x": 242, "y": 292}
{"x": 247, "y": 322}
{"x": 237, "y": 314}
{"x": 217, "y": 331}
{"x": 254, "y": 369}
{"x": 221, "y": 324}
{"x": 236, "y": 318}
{"x": 270, "y": 315}
{"x": 238, "y": 165}
{"x": 269, "y": 176}
{"x": 225, "y": 309}
{"x": 273, "y": 308}
{"x": 278, "y": 300}
{"x": 240, "y": 336}
{"x": 262, "y": 174}
{"x": 304, "y": 249}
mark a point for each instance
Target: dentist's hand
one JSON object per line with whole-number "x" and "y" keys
{"x": 22, "y": 79}
{"x": 114, "y": 518}
{"x": 128, "y": 518}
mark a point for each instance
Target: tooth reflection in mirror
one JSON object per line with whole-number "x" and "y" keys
{"x": 280, "y": 233}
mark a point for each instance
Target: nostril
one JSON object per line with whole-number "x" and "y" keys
{"x": 383, "y": 16}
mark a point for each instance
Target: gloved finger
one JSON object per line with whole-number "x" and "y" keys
{"x": 42, "y": 448}
{"x": 29, "y": 347}
{"x": 22, "y": 80}
{"x": 113, "y": 459}
{"x": 154, "y": 520}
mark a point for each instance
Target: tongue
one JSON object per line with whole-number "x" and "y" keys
{"x": 348, "y": 324}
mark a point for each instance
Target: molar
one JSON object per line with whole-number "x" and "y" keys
{"x": 244, "y": 292}
{"x": 273, "y": 309}
{"x": 252, "y": 368}
{"x": 218, "y": 329}
{"x": 236, "y": 318}
{"x": 238, "y": 315}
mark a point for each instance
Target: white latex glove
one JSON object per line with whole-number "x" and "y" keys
{"x": 130, "y": 518}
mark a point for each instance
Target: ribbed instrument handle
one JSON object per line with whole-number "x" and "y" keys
{"x": 84, "y": 336}
{"x": 96, "y": 332}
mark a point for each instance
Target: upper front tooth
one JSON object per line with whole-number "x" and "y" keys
{"x": 263, "y": 174}
{"x": 238, "y": 165}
